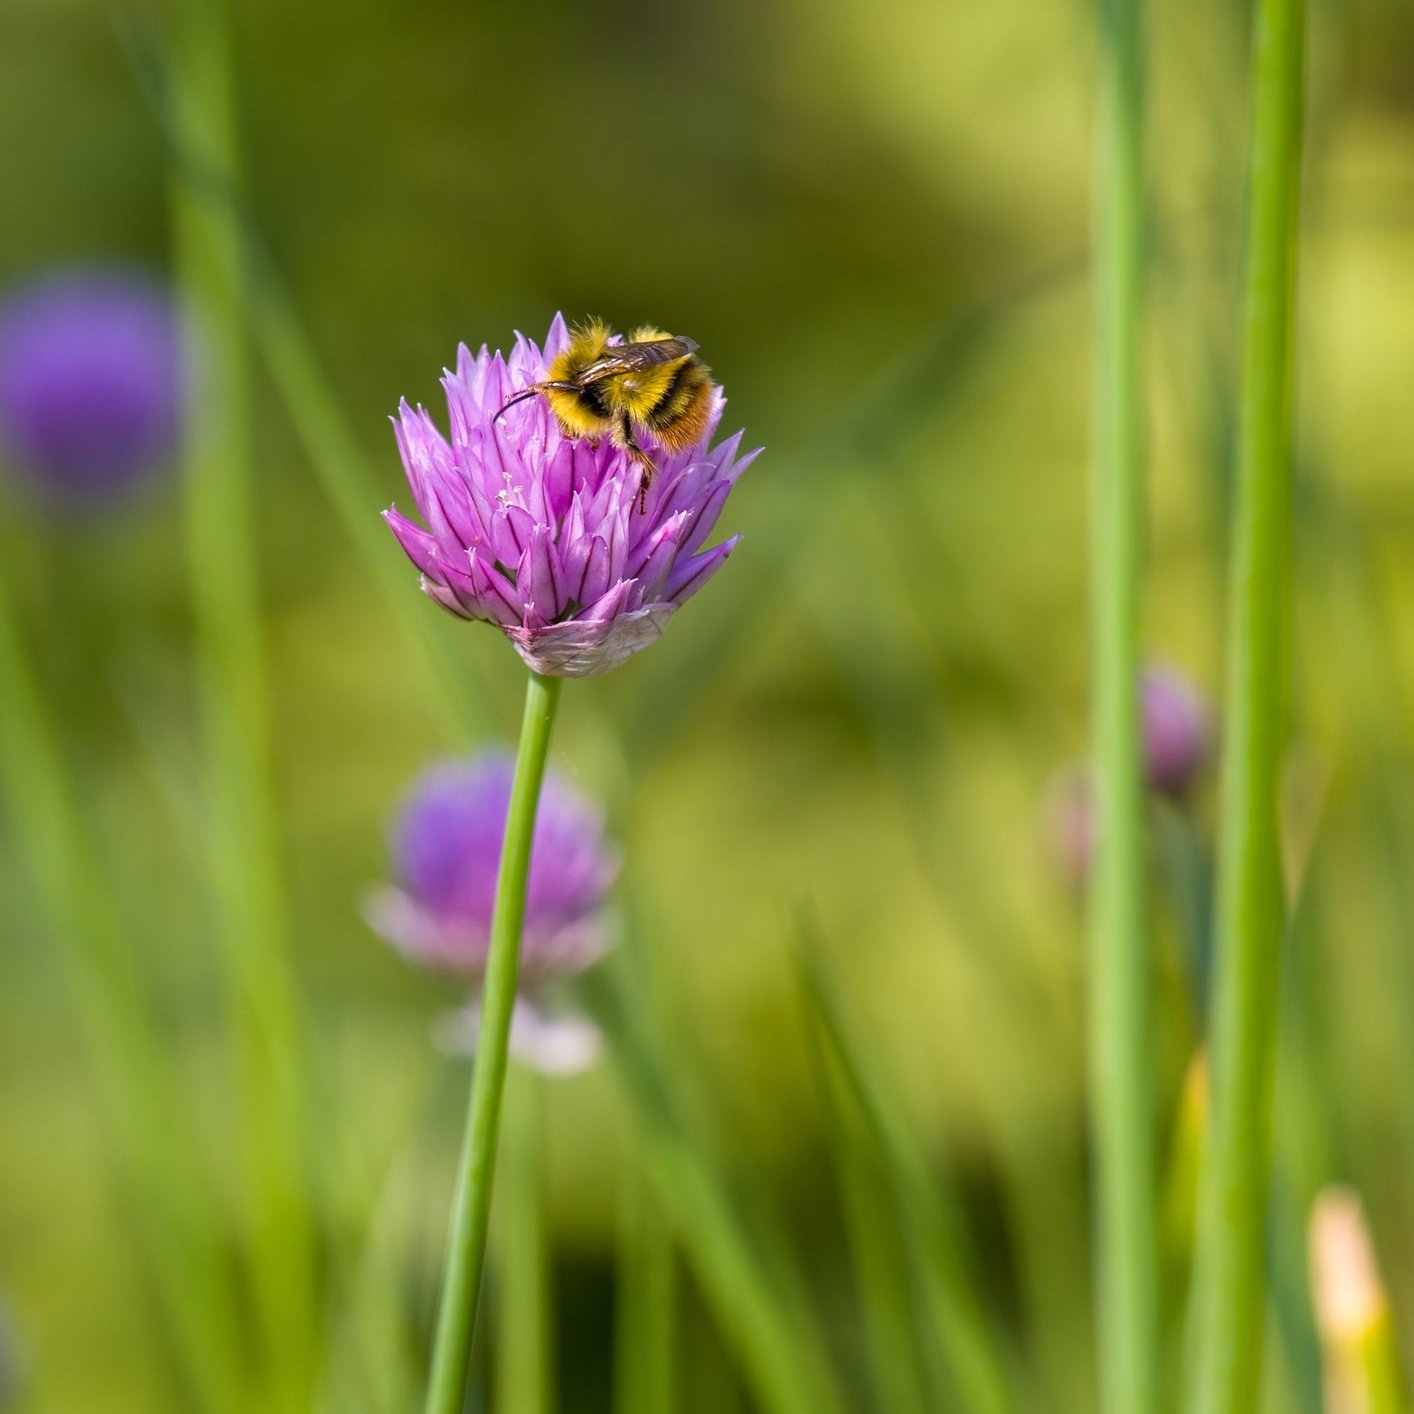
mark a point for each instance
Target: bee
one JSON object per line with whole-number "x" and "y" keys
{"x": 651, "y": 386}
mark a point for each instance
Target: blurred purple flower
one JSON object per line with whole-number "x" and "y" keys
{"x": 1070, "y": 821}
{"x": 90, "y": 382}
{"x": 446, "y": 845}
{"x": 1177, "y": 739}
{"x": 540, "y": 534}
{"x": 1177, "y": 730}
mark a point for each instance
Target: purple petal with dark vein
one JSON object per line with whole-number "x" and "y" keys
{"x": 493, "y": 591}
{"x": 520, "y": 524}
{"x": 703, "y": 520}
{"x": 610, "y": 604}
{"x": 617, "y": 540}
{"x": 454, "y": 501}
{"x": 440, "y": 594}
{"x": 417, "y": 544}
{"x": 688, "y": 577}
{"x": 595, "y": 579}
{"x": 539, "y": 576}
{"x": 662, "y": 551}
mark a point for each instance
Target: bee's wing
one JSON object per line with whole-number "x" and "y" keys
{"x": 629, "y": 358}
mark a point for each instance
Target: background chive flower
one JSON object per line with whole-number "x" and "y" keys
{"x": 1177, "y": 740}
{"x": 1177, "y": 730}
{"x": 446, "y": 846}
{"x": 90, "y": 382}
{"x": 540, "y": 534}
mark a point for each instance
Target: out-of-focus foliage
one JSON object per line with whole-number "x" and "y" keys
{"x": 873, "y": 219}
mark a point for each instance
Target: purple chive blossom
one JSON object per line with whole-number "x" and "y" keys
{"x": 1177, "y": 730}
{"x": 90, "y": 383}
{"x": 446, "y": 844}
{"x": 540, "y": 534}
{"x": 1177, "y": 737}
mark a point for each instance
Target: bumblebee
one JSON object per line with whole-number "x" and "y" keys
{"x": 651, "y": 386}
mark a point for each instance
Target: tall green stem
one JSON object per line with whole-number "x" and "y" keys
{"x": 241, "y": 823}
{"x": 471, "y": 1210}
{"x": 646, "y": 1301}
{"x": 1121, "y": 1066}
{"x": 1250, "y": 908}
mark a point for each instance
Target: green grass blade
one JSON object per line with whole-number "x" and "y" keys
{"x": 645, "y": 1329}
{"x": 241, "y": 819}
{"x": 171, "y": 1194}
{"x": 900, "y": 1352}
{"x": 347, "y": 477}
{"x": 932, "y": 1219}
{"x": 781, "y": 1356}
{"x": 1122, "y": 1082}
{"x": 1228, "y": 1304}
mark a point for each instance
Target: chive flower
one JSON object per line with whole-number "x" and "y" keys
{"x": 90, "y": 383}
{"x": 1177, "y": 741}
{"x": 542, "y": 534}
{"x": 446, "y": 845}
{"x": 1177, "y": 730}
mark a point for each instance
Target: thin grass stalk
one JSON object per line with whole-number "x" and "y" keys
{"x": 1250, "y": 907}
{"x": 946, "y": 1297}
{"x": 781, "y": 1352}
{"x": 525, "y": 1376}
{"x": 886, "y": 1303}
{"x": 341, "y": 466}
{"x": 162, "y": 1173}
{"x": 1120, "y": 1004}
{"x": 351, "y": 487}
{"x": 241, "y": 820}
{"x": 471, "y": 1208}
{"x": 645, "y": 1328}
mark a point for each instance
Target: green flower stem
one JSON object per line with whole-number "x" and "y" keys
{"x": 1250, "y": 907}
{"x": 241, "y": 821}
{"x": 525, "y": 1364}
{"x": 466, "y": 1243}
{"x": 1121, "y": 1064}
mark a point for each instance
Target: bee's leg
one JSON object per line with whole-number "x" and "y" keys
{"x": 644, "y": 461}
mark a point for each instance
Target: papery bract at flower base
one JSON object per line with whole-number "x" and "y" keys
{"x": 91, "y": 382}
{"x": 540, "y": 534}
{"x": 552, "y": 1042}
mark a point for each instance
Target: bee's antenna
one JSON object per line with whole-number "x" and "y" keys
{"x": 530, "y": 392}
{"x": 519, "y": 398}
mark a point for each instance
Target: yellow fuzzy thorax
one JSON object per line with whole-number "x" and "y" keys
{"x": 648, "y": 389}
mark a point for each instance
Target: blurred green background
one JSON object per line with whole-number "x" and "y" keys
{"x": 874, "y": 220}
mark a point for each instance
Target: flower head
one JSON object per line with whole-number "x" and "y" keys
{"x": 1177, "y": 730}
{"x": 90, "y": 382}
{"x": 540, "y": 533}
{"x": 446, "y": 845}
{"x": 1177, "y": 736}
